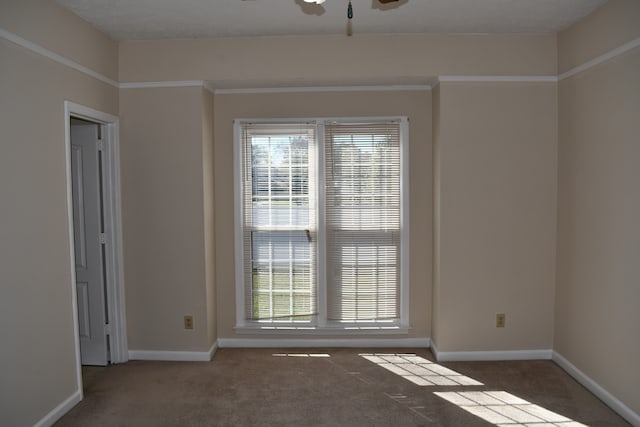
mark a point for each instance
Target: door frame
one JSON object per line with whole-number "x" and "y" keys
{"x": 117, "y": 338}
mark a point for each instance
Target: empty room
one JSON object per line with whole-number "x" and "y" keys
{"x": 308, "y": 212}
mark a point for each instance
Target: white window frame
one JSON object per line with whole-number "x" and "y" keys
{"x": 322, "y": 325}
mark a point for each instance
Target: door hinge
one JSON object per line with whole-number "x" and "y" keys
{"x": 107, "y": 329}
{"x": 100, "y": 145}
{"x": 102, "y": 238}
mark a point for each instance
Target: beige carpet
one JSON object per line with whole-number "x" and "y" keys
{"x": 335, "y": 387}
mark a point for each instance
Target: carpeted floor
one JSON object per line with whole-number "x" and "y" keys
{"x": 335, "y": 387}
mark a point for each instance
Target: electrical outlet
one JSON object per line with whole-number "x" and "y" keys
{"x": 188, "y": 322}
{"x": 500, "y": 320}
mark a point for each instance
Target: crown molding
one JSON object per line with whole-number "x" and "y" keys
{"x": 497, "y": 79}
{"x": 55, "y": 57}
{"x": 600, "y": 59}
{"x": 170, "y": 83}
{"x": 210, "y": 86}
{"x": 370, "y": 88}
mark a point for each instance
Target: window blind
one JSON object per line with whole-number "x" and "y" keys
{"x": 363, "y": 208}
{"x": 279, "y": 221}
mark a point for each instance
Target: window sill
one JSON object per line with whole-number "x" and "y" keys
{"x": 324, "y": 330}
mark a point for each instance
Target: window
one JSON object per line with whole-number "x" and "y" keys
{"x": 321, "y": 232}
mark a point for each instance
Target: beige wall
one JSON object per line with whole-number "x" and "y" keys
{"x": 496, "y": 195}
{"x": 48, "y": 25}
{"x": 597, "y": 294}
{"x": 37, "y": 353}
{"x": 269, "y": 61}
{"x": 488, "y": 223}
{"x": 607, "y": 28}
{"x": 335, "y": 60}
{"x": 163, "y": 139}
{"x": 414, "y": 104}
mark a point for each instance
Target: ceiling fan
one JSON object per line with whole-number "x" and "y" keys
{"x": 349, "y": 9}
{"x": 322, "y": 1}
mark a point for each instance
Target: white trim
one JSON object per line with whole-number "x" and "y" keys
{"x": 323, "y": 343}
{"x": 497, "y": 79}
{"x": 72, "y": 255}
{"x": 174, "y": 356}
{"x": 380, "y": 88}
{"x": 610, "y": 400}
{"x": 238, "y": 163}
{"x": 178, "y": 83}
{"x": 210, "y": 87}
{"x": 56, "y": 413}
{"x": 405, "y": 234}
{"x": 477, "y": 356}
{"x": 55, "y": 57}
{"x": 80, "y": 111}
{"x": 600, "y": 59}
{"x": 321, "y": 227}
{"x": 320, "y": 326}
{"x": 113, "y": 228}
{"x": 350, "y": 329}
{"x": 114, "y": 245}
{"x": 319, "y": 120}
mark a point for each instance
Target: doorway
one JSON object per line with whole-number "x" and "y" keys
{"x": 89, "y": 240}
{"x": 93, "y": 200}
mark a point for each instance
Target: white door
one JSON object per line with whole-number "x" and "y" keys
{"x": 87, "y": 221}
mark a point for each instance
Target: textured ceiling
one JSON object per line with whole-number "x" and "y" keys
{"x": 158, "y": 19}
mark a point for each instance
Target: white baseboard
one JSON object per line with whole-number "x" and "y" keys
{"x": 174, "y": 356}
{"x": 60, "y": 410}
{"x": 323, "y": 343}
{"x": 610, "y": 400}
{"x": 477, "y": 356}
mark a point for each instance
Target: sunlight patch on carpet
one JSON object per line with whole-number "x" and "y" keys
{"x": 419, "y": 370}
{"x": 506, "y": 410}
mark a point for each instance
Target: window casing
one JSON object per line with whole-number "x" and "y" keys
{"x": 322, "y": 225}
